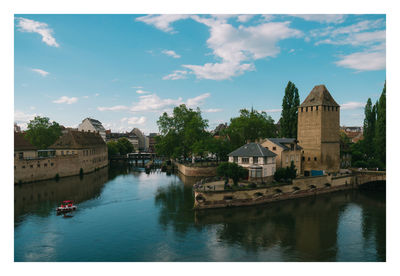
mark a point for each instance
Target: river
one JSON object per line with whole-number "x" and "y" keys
{"x": 125, "y": 214}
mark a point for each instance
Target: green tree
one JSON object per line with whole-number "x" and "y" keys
{"x": 124, "y": 146}
{"x": 232, "y": 170}
{"x": 113, "y": 149}
{"x": 290, "y": 105}
{"x": 380, "y": 128}
{"x": 369, "y": 128}
{"x": 283, "y": 174}
{"x": 41, "y": 133}
{"x": 182, "y": 133}
{"x": 249, "y": 126}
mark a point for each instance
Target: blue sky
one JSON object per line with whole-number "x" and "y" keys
{"x": 126, "y": 70}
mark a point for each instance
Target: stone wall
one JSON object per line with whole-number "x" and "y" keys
{"x": 196, "y": 171}
{"x": 28, "y": 170}
{"x": 300, "y": 187}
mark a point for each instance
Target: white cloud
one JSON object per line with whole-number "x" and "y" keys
{"x": 352, "y": 105}
{"x": 97, "y": 94}
{"x": 40, "y": 72}
{"x": 142, "y": 91}
{"x": 66, "y": 100}
{"x": 276, "y": 110}
{"x": 197, "y": 101}
{"x": 31, "y": 26}
{"x": 113, "y": 108}
{"x": 364, "y": 61}
{"x": 176, "y": 75}
{"x": 213, "y": 110}
{"x": 244, "y": 17}
{"x": 22, "y": 117}
{"x": 85, "y": 97}
{"x": 162, "y": 22}
{"x": 154, "y": 103}
{"x": 322, "y": 18}
{"x": 137, "y": 87}
{"x": 171, "y": 53}
{"x": 235, "y": 46}
{"x": 134, "y": 120}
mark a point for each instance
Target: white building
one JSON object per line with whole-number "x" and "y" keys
{"x": 93, "y": 125}
{"x": 258, "y": 160}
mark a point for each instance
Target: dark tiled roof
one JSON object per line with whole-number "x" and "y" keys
{"x": 319, "y": 96}
{"x": 21, "y": 143}
{"x": 78, "y": 140}
{"x": 282, "y": 141}
{"x": 252, "y": 149}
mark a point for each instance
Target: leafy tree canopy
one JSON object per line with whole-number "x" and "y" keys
{"x": 42, "y": 133}
{"x": 290, "y": 105}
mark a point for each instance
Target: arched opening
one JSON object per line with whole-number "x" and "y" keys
{"x": 327, "y": 185}
{"x": 258, "y": 194}
{"x": 278, "y": 191}
{"x": 228, "y": 197}
{"x": 200, "y": 198}
{"x": 295, "y": 188}
{"x": 312, "y": 187}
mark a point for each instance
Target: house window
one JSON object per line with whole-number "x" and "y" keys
{"x": 72, "y": 152}
{"x": 336, "y": 108}
{"x": 52, "y": 164}
{"x": 31, "y": 166}
{"x": 45, "y": 164}
{"x": 62, "y": 152}
{"x": 255, "y": 160}
{"x": 20, "y": 155}
{"x": 329, "y": 108}
{"x": 291, "y": 157}
{"x": 67, "y": 152}
{"x": 301, "y": 109}
{"x": 235, "y": 159}
{"x": 273, "y": 148}
{"x": 245, "y": 160}
{"x": 38, "y": 165}
{"x": 308, "y": 158}
{"x": 291, "y": 146}
{"x": 265, "y": 160}
{"x": 287, "y": 159}
{"x": 303, "y": 158}
{"x": 315, "y": 158}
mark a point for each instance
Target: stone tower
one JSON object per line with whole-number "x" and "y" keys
{"x": 318, "y": 131}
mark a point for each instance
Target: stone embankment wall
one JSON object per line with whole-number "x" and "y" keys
{"x": 300, "y": 187}
{"x": 29, "y": 170}
{"x": 196, "y": 171}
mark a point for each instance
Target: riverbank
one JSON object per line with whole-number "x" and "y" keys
{"x": 210, "y": 195}
{"x": 196, "y": 171}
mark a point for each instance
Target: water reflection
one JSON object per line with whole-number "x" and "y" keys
{"x": 40, "y": 198}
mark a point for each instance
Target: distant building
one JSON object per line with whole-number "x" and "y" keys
{"x": 152, "y": 142}
{"x": 142, "y": 139}
{"x": 93, "y": 125}
{"x": 286, "y": 150}
{"x": 114, "y": 136}
{"x": 23, "y": 149}
{"x": 16, "y": 128}
{"x": 257, "y": 159}
{"x": 88, "y": 146}
{"x": 354, "y": 133}
{"x": 318, "y": 131}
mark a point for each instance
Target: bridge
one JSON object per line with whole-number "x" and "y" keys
{"x": 134, "y": 156}
{"x": 369, "y": 177}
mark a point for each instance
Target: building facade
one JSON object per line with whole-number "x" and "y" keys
{"x": 142, "y": 139}
{"x": 257, "y": 159}
{"x": 286, "y": 150}
{"x": 132, "y": 138}
{"x": 318, "y": 131}
{"x": 93, "y": 125}
{"x": 74, "y": 152}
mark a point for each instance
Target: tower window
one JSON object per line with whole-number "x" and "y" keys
{"x": 328, "y": 108}
{"x": 306, "y": 109}
{"x": 316, "y": 108}
{"x": 273, "y": 148}
{"x": 301, "y": 109}
{"x": 315, "y": 158}
{"x": 311, "y": 108}
{"x": 308, "y": 158}
{"x": 303, "y": 158}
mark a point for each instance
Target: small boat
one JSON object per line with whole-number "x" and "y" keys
{"x": 66, "y": 206}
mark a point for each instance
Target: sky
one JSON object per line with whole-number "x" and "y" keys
{"x": 126, "y": 70}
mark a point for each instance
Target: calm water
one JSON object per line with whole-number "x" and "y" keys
{"x": 128, "y": 215}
